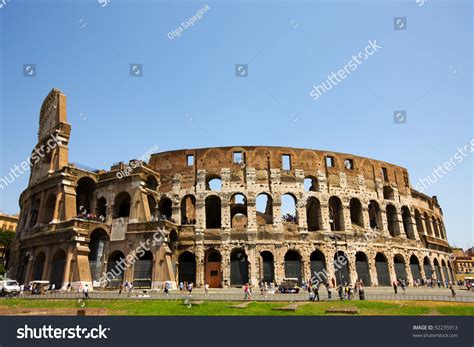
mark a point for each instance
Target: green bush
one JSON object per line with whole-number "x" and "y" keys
{"x": 2, "y": 270}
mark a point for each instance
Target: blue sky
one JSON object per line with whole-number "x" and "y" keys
{"x": 190, "y": 97}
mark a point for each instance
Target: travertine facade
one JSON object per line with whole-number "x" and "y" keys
{"x": 362, "y": 208}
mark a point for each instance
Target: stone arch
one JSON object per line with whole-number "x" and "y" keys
{"x": 356, "y": 212}
{"x": 383, "y": 273}
{"x": 429, "y": 231}
{"x": 58, "y": 264}
{"x": 264, "y": 209}
{"x": 212, "y": 268}
{"x": 38, "y": 266}
{"x": 151, "y": 183}
{"x": 392, "y": 220}
{"x": 98, "y": 244}
{"x": 122, "y": 205}
{"x": 341, "y": 268}
{"x": 188, "y": 209}
{"x": 419, "y": 223}
{"x": 48, "y": 209}
{"x": 313, "y": 214}
{"x": 399, "y": 266}
{"x": 437, "y": 268}
{"x": 435, "y": 226}
{"x": 115, "y": 269}
{"x": 427, "y": 267}
{"x": 444, "y": 268}
{"x": 318, "y": 266}
{"x": 213, "y": 212}
{"x": 239, "y": 267}
{"x": 85, "y": 189}
{"x": 311, "y": 184}
{"x": 415, "y": 268}
{"x": 362, "y": 268}
{"x": 407, "y": 223}
{"x": 375, "y": 215}
{"x": 336, "y": 213}
{"x": 187, "y": 267}
{"x": 238, "y": 211}
{"x": 143, "y": 270}
{"x": 293, "y": 264}
{"x": 267, "y": 267}
{"x": 289, "y": 209}
{"x": 165, "y": 208}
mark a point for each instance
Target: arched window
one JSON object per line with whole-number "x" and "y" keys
{"x": 362, "y": 268}
{"x": 122, "y": 205}
{"x": 435, "y": 226}
{"x": 48, "y": 209}
{"x": 165, "y": 209}
{"x": 293, "y": 265}
{"x": 392, "y": 220}
{"x": 288, "y": 209}
{"x": 313, "y": 214}
{"x": 383, "y": 274}
{"x": 419, "y": 223}
{"x": 238, "y": 211}
{"x": 213, "y": 182}
{"x": 84, "y": 195}
{"x": 429, "y": 231}
{"x": 375, "y": 215}
{"x": 407, "y": 223}
{"x": 388, "y": 193}
{"x": 415, "y": 268}
{"x": 152, "y": 206}
{"x": 187, "y": 267}
{"x": 341, "y": 268}
{"x": 101, "y": 209}
{"x": 142, "y": 270}
{"x": 188, "y": 210}
{"x": 311, "y": 184}
{"x": 268, "y": 267}
{"x": 399, "y": 265}
{"x": 336, "y": 214}
{"x": 356, "y": 213}
{"x": 152, "y": 183}
{"x": 57, "y": 268}
{"x": 213, "y": 212}
{"x": 264, "y": 206}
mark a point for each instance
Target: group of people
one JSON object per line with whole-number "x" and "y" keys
{"x": 126, "y": 287}
{"x": 185, "y": 287}
{"x": 345, "y": 291}
{"x": 89, "y": 216}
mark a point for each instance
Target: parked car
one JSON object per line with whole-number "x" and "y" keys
{"x": 289, "y": 286}
{"x": 9, "y": 287}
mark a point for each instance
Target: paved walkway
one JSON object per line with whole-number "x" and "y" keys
{"x": 236, "y": 294}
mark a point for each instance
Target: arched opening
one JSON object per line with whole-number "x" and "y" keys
{"x": 238, "y": 211}
{"x": 152, "y": 207}
{"x": 115, "y": 269}
{"x": 375, "y": 215}
{"x": 336, "y": 214}
{"x": 341, "y": 268}
{"x": 293, "y": 265}
{"x": 97, "y": 248}
{"x": 57, "y": 268}
{"x": 188, "y": 210}
{"x": 35, "y": 212}
{"x": 187, "y": 267}
{"x": 437, "y": 269}
{"x": 268, "y": 267}
{"x": 212, "y": 269}
{"x": 428, "y": 268}
{"x": 152, "y": 183}
{"x": 428, "y": 224}
{"x": 419, "y": 223}
{"x": 239, "y": 267}
{"x": 48, "y": 209}
{"x": 143, "y": 270}
{"x": 357, "y": 218}
{"x": 84, "y": 195}
{"x": 38, "y": 267}
{"x": 392, "y": 220}
{"x": 165, "y": 208}
{"x": 311, "y": 184}
{"x": 399, "y": 266}
{"x": 445, "y": 270}
{"x": 213, "y": 182}
{"x": 407, "y": 223}
{"x": 442, "y": 230}
{"x": 362, "y": 268}
{"x": 383, "y": 274}
{"x": 173, "y": 240}
{"x": 313, "y": 214}
{"x": 388, "y": 193}
{"x": 213, "y": 212}
{"x": 122, "y": 205}
{"x": 264, "y": 205}
{"x": 415, "y": 268}
{"x": 318, "y": 267}
{"x": 435, "y": 227}
{"x": 288, "y": 209}
{"x": 101, "y": 209}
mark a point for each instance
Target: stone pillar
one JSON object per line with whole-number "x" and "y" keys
{"x": 401, "y": 228}
{"x": 67, "y": 267}
{"x": 225, "y": 266}
{"x": 200, "y": 214}
{"x": 347, "y": 216}
{"x": 408, "y": 271}
{"x": 352, "y": 268}
{"x": 373, "y": 272}
{"x": 277, "y": 218}
{"x": 199, "y": 253}
{"x": 252, "y": 260}
{"x": 251, "y": 214}
{"x": 325, "y": 225}
{"x": 366, "y": 217}
{"x": 47, "y": 264}
{"x": 383, "y": 213}
{"x": 225, "y": 214}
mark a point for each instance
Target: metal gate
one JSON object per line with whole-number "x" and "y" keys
{"x": 187, "y": 272}
{"x": 438, "y": 273}
{"x": 239, "y": 272}
{"x": 445, "y": 272}
{"x": 383, "y": 276}
{"x": 415, "y": 272}
{"x": 142, "y": 273}
{"x": 341, "y": 272}
{"x": 363, "y": 273}
{"x": 268, "y": 271}
{"x": 400, "y": 271}
{"x": 293, "y": 269}
{"x": 318, "y": 271}
{"x": 428, "y": 271}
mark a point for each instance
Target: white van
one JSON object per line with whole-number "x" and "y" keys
{"x": 9, "y": 287}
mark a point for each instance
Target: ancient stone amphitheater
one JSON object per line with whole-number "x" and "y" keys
{"x": 230, "y": 215}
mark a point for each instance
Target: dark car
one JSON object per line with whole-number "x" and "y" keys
{"x": 289, "y": 286}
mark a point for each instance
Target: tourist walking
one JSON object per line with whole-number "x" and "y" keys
{"x": 206, "y": 289}
{"x": 453, "y": 292}
{"x": 395, "y": 287}
{"x": 361, "y": 291}
{"x": 85, "y": 292}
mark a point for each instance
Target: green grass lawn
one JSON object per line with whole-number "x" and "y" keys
{"x": 222, "y": 308}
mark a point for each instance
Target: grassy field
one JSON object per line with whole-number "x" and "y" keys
{"x": 220, "y": 308}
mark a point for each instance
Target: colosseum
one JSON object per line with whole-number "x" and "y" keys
{"x": 229, "y": 215}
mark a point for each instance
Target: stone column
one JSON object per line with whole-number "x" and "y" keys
{"x": 251, "y": 214}
{"x": 225, "y": 214}
{"x": 252, "y": 260}
{"x": 325, "y": 225}
{"x": 67, "y": 267}
{"x": 200, "y": 214}
{"x": 199, "y": 253}
{"x": 347, "y": 216}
